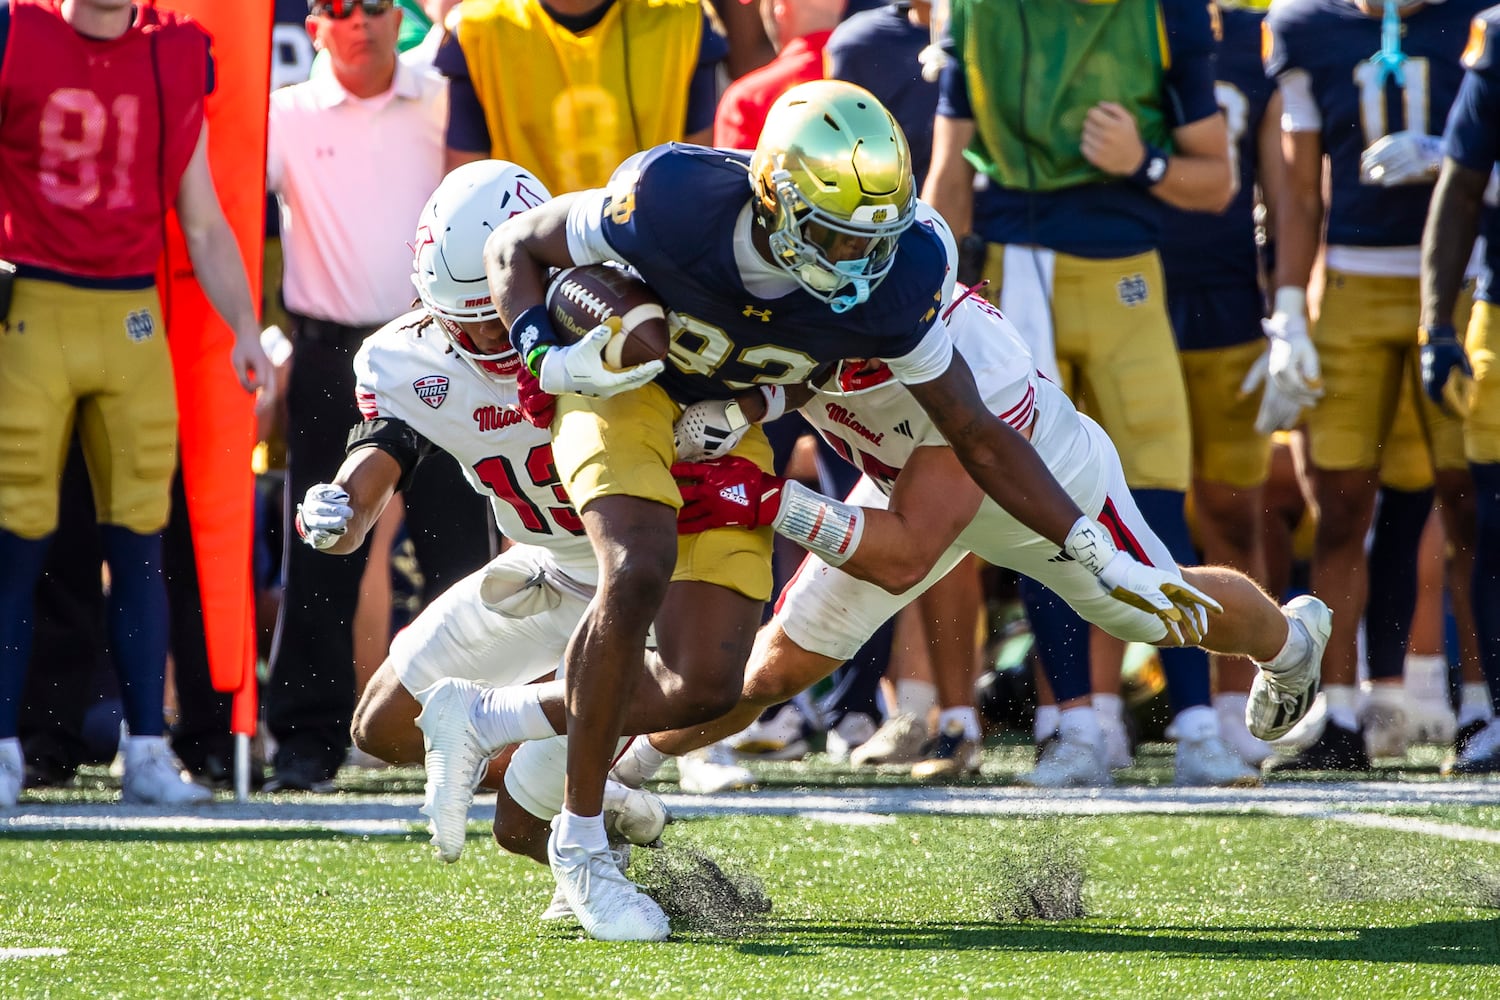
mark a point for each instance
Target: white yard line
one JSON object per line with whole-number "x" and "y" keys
{"x": 9, "y": 953}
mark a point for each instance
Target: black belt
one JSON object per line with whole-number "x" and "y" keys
{"x": 323, "y": 331}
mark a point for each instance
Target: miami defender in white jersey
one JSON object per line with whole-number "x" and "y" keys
{"x": 443, "y": 378}
{"x": 916, "y": 514}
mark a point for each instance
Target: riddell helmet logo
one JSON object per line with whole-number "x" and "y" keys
{"x": 432, "y": 389}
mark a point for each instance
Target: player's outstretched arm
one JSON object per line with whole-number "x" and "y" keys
{"x": 336, "y": 517}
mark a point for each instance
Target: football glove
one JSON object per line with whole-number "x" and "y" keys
{"x": 709, "y": 429}
{"x": 580, "y": 369}
{"x": 1278, "y": 412}
{"x": 1441, "y": 354}
{"x": 1291, "y": 359}
{"x": 323, "y": 515}
{"x": 730, "y": 493}
{"x": 1182, "y": 608}
{"x": 1406, "y": 157}
{"x": 536, "y": 406}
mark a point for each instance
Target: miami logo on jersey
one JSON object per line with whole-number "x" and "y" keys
{"x": 432, "y": 389}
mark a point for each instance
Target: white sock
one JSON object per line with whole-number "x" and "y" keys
{"x": 1292, "y": 651}
{"x": 1046, "y": 722}
{"x": 914, "y": 697}
{"x": 1341, "y": 705}
{"x": 1111, "y": 706}
{"x": 642, "y": 757}
{"x": 1080, "y": 725}
{"x": 586, "y": 832}
{"x": 1196, "y": 724}
{"x": 1426, "y": 677}
{"x": 505, "y": 715}
{"x": 1475, "y": 703}
{"x": 964, "y": 716}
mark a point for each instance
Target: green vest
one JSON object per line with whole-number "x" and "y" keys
{"x": 1030, "y": 89}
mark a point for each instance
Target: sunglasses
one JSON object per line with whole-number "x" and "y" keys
{"x": 341, "y": 9}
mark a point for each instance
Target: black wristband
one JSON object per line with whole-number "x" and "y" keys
{"x": 531, "y": 333}
{"x": 1152, "y": 169}
{"x": 1439, "y": 331}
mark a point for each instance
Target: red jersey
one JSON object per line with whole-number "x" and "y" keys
{"x": 94, "y": 138}
{"x": 745, "y": 104}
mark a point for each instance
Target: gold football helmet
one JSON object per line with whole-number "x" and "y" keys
{"x": 833, "y": 182}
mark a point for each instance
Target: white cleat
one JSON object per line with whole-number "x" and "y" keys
{"x": 154, "y": 776}
{"x": 1116, "y": 741}
{"x": 12, "y": 772}
{"x": 558, "y": 908}
{"x": 608, "y": 905}
{"x": 1384, "y": 721}
{"x": 712, "y": 769}
{"x": 1430, "y": 720}
{"x": 853, "y": 731}
{"x": 455, "y": 763}
{"x": 901, "y": 739}
{"x": 1232, "y": 729}
{"x": 1069, "y": 764}
{"x": 781, "y": 737}
{"x": 633, "y": 815}
{"x": 1279, "y": 699}
{"x": 1211, "y": 763}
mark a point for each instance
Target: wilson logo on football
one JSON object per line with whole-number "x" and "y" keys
{"x": 432, "y": 389}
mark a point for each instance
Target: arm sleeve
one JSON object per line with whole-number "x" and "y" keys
{"x": 397, "y": 439}
{"x": 467, "y": 128}
{"x": 1189, "y": 84}
{"x": 586, "y": 242}
{"x": 1299, "y": 109}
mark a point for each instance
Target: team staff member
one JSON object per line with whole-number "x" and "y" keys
{"x": 1086, "y": 119}
{"x": 101, "y": 130}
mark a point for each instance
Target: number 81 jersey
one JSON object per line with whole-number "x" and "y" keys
{"x": 405, "y": 371}
{"x": 1332, "y": 42}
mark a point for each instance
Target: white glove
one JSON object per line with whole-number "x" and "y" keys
{"x": 513, "y": 591}
{"x": 1182, "y": 608}
{"x": 580, "y": 369}
{"x": 709, "y": 429}
{"x": 1278, "y": 412}
{"x": 1292, "y": 360}
{"x": 1406, "y": 157}
{"x": 323, "y": 515}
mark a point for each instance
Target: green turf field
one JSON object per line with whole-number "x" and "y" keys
{"x": 1216, "y": 904}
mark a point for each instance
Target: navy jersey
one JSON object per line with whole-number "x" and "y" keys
{"x": 1104, "y": 220}
{"x": 878, "y": 50}
{"x": 1473, "y": 134}
{"x": 1199, "y": 248}
{"x": 672, "y": 214}
{"x": 1332, "y": 41}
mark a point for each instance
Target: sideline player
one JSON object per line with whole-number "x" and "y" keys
{"x": 800, "y": 254}
{"x": 1472, "y": 142}
{"x": 442, "y": 378}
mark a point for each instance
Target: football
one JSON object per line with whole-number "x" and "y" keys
{"x": 581, "y": 298}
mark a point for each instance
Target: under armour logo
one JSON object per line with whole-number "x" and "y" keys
{"x": 1133, "y": 289}
{"x": 735, "y": 494}
{"x": 750, "y": 312}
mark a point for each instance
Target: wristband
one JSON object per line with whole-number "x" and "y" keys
{"x": 1291, "y": 300}
{"x": 1090, "y": 544}
{"x": 820, "y": 524}
{"x": 531, "y": 334}
{"x": 775, "y": 399}
{"x": 1152, "y": 169}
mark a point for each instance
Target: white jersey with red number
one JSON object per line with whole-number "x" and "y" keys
{"x": 878, "y": 429}
{"x": 407, "y": 371}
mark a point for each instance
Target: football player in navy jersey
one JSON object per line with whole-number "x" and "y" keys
{"x": 1472, "y": 145}
{"x": 1212, "y": 269}
{"x": 803, "y": 253}
{"x": 1365, "y": 86}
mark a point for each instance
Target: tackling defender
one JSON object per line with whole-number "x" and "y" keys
{"x": 801, "y": 254}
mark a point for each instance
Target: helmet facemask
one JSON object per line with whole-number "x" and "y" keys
{"x": 501, "y": 366}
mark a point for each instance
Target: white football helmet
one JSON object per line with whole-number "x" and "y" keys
{"x": 449, "y": 249}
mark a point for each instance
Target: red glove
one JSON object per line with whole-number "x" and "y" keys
{"x": 729, "y": 493}
{"x": 536, "y": 406}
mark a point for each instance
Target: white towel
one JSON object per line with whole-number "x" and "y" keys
{"x": 1026, "y": 300}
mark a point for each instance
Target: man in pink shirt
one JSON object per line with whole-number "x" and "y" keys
{"x": 799, "y": 29}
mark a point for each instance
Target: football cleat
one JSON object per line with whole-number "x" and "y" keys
{"x": 781, "y": 737}
{"x": 633, "y": 815}
{"x": 454, "y": 763}
{"x": 1117, "y": 753}
{"x": 1384, "y": 721}
{"x": 154, "y": 776}
{"x": 608, "y": 905}
{"x": 1278, "y": 699}
{"x": 1337, "y": 749}
{"x": 1068, "y": 764}
{"x": 558, "y": 908}
{"x": 1467, "y": 732}
{"x": 1211, "y": 763}
{"x": 853, "y": 730}
{"x": 953, "y": 755}
{"x": 12, "y": 772}
{"x": 1481, "y": 753}
{"x": 1230, "y": 710}
{"x": 712, "y": 769}
{"x": 901, "y": 739}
